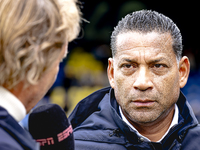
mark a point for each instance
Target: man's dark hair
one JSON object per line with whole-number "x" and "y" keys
{"x": 146, "y": 21}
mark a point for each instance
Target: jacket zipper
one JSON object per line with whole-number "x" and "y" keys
{"x": 172, "y": 145}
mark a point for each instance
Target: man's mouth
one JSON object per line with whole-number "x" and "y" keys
{"x": 143, "y": 103}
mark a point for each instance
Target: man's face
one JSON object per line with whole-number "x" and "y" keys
{"x": 145, "y": 75}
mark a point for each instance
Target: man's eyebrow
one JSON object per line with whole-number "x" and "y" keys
{"x": 123, "y": 60}
{"x": 149, "y": 61}
{"x": 156, "y": 60}
{"x": 129, "y": 60}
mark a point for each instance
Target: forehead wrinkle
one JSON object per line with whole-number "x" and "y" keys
{"x": 161, "y": 42}
{"x": 168, "y": 40}
{"x": 139, "y": 40}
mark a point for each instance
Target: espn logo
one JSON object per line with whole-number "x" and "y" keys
{"x": 60, "y": 137}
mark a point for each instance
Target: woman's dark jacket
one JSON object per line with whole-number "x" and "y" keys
{"x": 12, "y": 135}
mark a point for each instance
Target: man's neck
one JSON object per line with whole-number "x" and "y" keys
{"x": 156, "y": 130}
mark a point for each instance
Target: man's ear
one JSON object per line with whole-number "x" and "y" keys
{"x": 110, "y": 72}
{"x": 184, "y": 70}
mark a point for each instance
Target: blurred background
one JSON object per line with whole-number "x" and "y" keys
{"x": 84, "y": 69}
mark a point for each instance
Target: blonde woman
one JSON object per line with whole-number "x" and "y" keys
{"x": 34, "y": 36}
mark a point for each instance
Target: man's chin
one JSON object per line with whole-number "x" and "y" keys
{"x": 144, "y": 118}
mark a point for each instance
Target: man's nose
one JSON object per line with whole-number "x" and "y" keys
{"x": 143, "y": 80}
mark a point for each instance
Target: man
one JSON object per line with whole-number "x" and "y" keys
{"x": 144, "y": 108}
{"x": 34, "y": 35}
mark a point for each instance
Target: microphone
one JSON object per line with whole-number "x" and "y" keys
{"x": 48, "y": 125}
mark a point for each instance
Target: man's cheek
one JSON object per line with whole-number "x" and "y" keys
{"x": 119, "y": 83}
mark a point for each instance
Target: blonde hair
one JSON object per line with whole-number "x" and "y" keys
{"x": 32, "y": 33}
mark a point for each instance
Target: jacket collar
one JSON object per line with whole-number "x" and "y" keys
{"x": 187, "y": 117}
{"x": 9, "y": 124}
{"x": 87, "y": 106}
{"x": 12, "y": 104}
{"x": 186, "y": 111}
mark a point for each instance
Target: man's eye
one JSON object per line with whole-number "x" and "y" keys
{"x": 159, "y": 65}
{"x": 127, "y": 66}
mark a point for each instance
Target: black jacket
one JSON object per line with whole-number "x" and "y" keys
{"x": 98, "y": 126}
{"x": 12, "y": 135}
